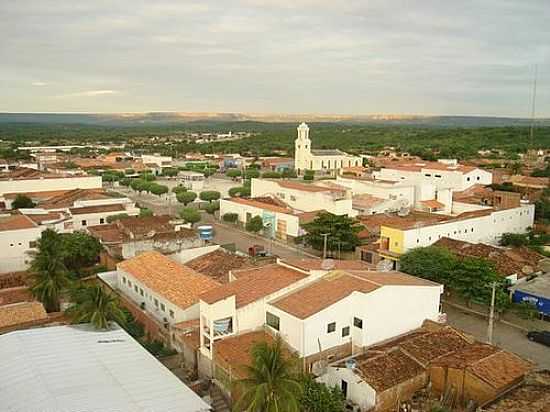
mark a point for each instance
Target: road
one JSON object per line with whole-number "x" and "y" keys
{"x": 505, "y": 336}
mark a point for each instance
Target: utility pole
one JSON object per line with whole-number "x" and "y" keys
{"x": 491, "y": 315}
{"x": 325, "y": 235}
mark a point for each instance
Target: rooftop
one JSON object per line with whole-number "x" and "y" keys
{"x": 179, "y": 284}
{"x": 540, "y": 286}
{"x": 75, "y": 368}
{"x": 267, "y": 203}
{"x": 366, "y": 201}
{"x": 419, "y": 166}
{"x": 533, "y": 396}
{"x": 327, "y": 264}
{"x": 15, "y": 222}
{"x": 336, "y": 285}
{"x": 218, "y": 263}
{"x": 21, "y": 313}
{"x": 254, "y": 284}
{"x": 68, "y": 197}
{"x": 97, "y": 209}
{"x": 306, "y": 187}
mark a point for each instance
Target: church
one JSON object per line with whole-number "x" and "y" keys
{"x": 329, "y": 161}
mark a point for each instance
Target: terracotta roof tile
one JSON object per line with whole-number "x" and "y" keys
{"x": 501, "y": 369}
{"x": 432, "y": 204}
{"x": 109, "y": 233}
{"x": 254, "y": 284}
{"x": 307, "y": 187}
{"x": 328, "y": 264}
{"x": 261, "y": 203}
{"x": 20, "y": 313}
{"x": 16, "y": 222}
{"x": 97, "y": 209}
{"x": 218, "y": 263}
{"x": 179, "y": 284}
{"x": 67, "y": 198}
{"x": 430, "y": 346}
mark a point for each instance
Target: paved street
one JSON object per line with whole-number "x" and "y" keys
{"x": 505, "y": 336}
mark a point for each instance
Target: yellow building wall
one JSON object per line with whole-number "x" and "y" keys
{"x": 396, "y": 238}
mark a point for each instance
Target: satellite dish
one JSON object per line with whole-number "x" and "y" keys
{"x": 327, "y": 264}
{"x": 385, "y": 265}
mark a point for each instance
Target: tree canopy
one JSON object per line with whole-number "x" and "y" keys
{"x": 255, "y": 224}
{"x": 209, "y": 195}
{"x": 22, "y": 202}
{"x": 190, "y": 215}
{"x": 186, "y": 197}
{"x": 342, "y": 232}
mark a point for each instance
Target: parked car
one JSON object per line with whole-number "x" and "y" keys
{"x": 540, "y": 337}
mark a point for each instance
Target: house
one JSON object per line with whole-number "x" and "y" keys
{"x": 156, "y": 162}
{"x": 18, "y": 236}
{"x": 453, "y": 364}
{"x": 443, "y": 174}
{"x": 129, "y": 236}
{"x": 277, "y": 164}
{"x": 327, "y": 161}
{"x": 532, "y": 396}
{"x": 24, "y": 180}
{"x": 279, "y": 220}
{"x": 515, "y": 264}
{"x": 21, "y": 315}
{"x": 86, "y": 369}
{"x": 153, "y": 285}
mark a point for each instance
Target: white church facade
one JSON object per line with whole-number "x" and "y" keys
{"x": 329, "y": 161}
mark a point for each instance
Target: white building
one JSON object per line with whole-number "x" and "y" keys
{"x": 77, "y": 368}
{"x": 329, "y": 161}
{"x": 167, "y": 291}
{"x": 18, "y": 236}
{"x": 158, "y": 161}
{"x": 191, "y": 180}
{"x": 319, "y": 311}
{"x": 29, "y": 180}
{"x": 443, "y": 174}
{"x": 305, "y": 197}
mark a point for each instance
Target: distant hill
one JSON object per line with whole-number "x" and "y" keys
{"x": 171, "y": 118}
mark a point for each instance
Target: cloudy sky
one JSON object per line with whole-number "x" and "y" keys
{"x": 281, "y": 56}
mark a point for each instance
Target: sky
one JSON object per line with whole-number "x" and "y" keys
{"x": 465, "y": 57}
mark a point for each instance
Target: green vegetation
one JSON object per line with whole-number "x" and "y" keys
{"x": 209, "y": 195}
{"x": 318, "y": 397}
{"x": 157, "y": 189}
{"x": 233, "y": 173}
{"x": 272, "y": 382}
{"x": 170, "y": 172}
{"x": 179, "y": 189}
{"x": 271, "y": 175}
{"x": 186, "y": 197}
{"x": 91, "y": 304}
{"x": 114, "y": 218}
{"x": 541, "y": 172}
{"x": 239, "y": 191}
{"x": 145, "y": 211}
{"x": 542, "y": 207}
{"x": 342, "y": 232}
{"x": 309, "y": 175}
{"x": 470, "y": 277}
{"x": 255, "y": 224}
{"x": 79, "y": 251}
{"x": 190, "y": 215}
{"x": 22, "y": 202}
{"x": 251, "y": 174}
{"x": 212, "y": 207}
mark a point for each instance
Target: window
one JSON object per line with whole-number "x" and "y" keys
{"x": 124, "y": 279}
{"x": 162, "y": 307}
{"x": 156, "y": 302}
{"x": 141, "y": 291}
{"x": 344, "y": 387}
{"x": 477, "y": 178}
{"x": 467, "y": 179}
{"x": 272, "y": 320}
{"x": 171, "y": 313}
{"x": 101, "y": 220}
{"x": 130, "y": 284}
{"x": 32, "y": 244}
{"x": 331, "y": 327}
{"x": 136, "y": 288}
{"x": 428, "y": 175}
{"x": 366, "y": 256}
{"x": 358, "y": 323}
{"x": 345, "y": 331}
{"x": 438, "y": 176}
{"x": 84, "y": 223}
{"x": 293, "y": 198}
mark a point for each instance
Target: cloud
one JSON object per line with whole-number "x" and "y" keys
{"x": 90, "y": 93}
{"x": 346, "y": 56}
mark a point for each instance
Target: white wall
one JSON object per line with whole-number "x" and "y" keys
{"x": 359, "y": 392}
{"x": 42, "y": 185}
{"x": 378, "y": 189}
{"x": 92, "y": 219}
{"x": 186, "y": 255}
{"x": 14, "y": 246}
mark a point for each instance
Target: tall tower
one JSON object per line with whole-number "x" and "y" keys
{"x": 302, "y": 146}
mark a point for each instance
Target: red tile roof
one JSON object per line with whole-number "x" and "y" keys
{"x": 218, "y": 263}
{"x": 21, "y": 313}
{"x": 432, "y": 204}
{"x": 16, "y": 222}
{"x": 261, "y": 203}
{"x": 254, "y": 284}
{"x": 306, "y": 187}
{"x": 97, "y": 209}
{"x": 179, "y": 284}
{"x": 328, "y": 264}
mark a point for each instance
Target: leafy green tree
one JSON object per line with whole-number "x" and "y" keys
{"x": 148, "y": 176}
{"x": 233, "y": 173}
{"x": 318, "y": 397}
{"x": 251, "y": 173}
{"x": 288, "y": 174}
{"x": 432, "y": 262}
{"x": 125, "y": 181}
{"x": 230, "y": 217}
{"x": 272, "y": 382}
{"x": 145, "y": 212}
{"x": 309, "y": 175}
{"x": 157, "y": 189}
{"x": 515, "y": 168}
{"x": 255, "y": 224}
{"x": 169, "y": 172}
{"x": 209, "y": 195}
{"x": 211, "y": 208}
{"x": 190, "y": 215}
{"x": 139, "y": 185}
{"x": 342, "y": 232}
{"x": 186, "y": 197}
{"x": 50, "y": 277}
{"x": 514, "y": 239}
{"x": 179, "y": 189}
{"x": 93, "y": 305}
{"x": 22, "y": 202}
{"x": 80, "y": 250}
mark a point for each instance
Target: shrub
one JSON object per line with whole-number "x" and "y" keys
{"x": 190, "y": 215}
{"x": 251, "y": 173}
{"x": 179, "y": 189}
{"x": 186, "y": 197}
{"x": 289, "y": 174}
{"x": 233, "y": 173}
{"x": 125, "y": 181}
{"x": 230, "y": 217}
{"x": 170, "y": 172}
{"x": 309, "y": 175}
{"x": 271, "y": 175}
{"x": 22, "y": 202}
{"x": 209, "y": 195}
{"x": 145, "y": 212}
{"x": 239, "y": 191}
{"x": 212, "y": 207}
{"x": 157, "y": 189}
{"x": 255, "y": 224}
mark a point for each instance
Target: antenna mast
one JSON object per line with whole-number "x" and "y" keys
{"x": 533, "y": 106}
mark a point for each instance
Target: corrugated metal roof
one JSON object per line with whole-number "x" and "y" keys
{"x": 75, "y": 368}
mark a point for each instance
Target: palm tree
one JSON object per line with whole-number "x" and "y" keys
{"x": 93, "y": 305}
{"x": 50, "y": 276}
{"x": 272, "y": 384}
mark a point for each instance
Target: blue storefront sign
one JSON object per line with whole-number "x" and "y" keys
{"x": 542, "y": 304}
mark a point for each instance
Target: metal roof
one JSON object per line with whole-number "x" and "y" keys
{"x": 78, "y": 369}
